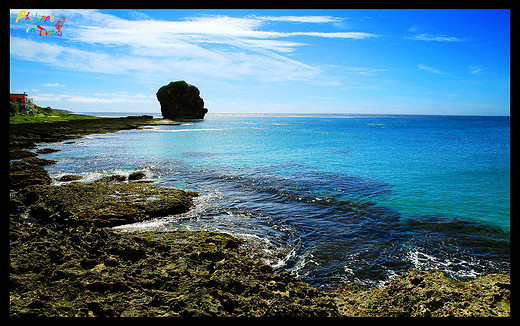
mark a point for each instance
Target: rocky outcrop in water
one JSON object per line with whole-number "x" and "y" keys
{"x": 180, "y": 100}
{"x": 100, "y": 203}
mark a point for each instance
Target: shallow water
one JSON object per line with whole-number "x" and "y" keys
{"x": 332, "y": 198}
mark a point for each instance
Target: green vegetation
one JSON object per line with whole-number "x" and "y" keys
{"x": 43, "y": 115}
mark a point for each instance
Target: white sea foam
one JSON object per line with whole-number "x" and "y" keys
{"x": 455, "y": 267}
{"x": 89, "y": 176}
{"x": 149, "y": 225}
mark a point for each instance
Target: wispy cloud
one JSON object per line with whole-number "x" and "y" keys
{"x": 436, "y": 38}
{"x": 365, "y": 71}
{"x": 475, "y": 69}
{"x": 121, "y": 97}
{"x": 53, "y": 85}
{"x": 430, "y": 69}
{"x": 79, "y": 60}
{"x": 419, "y": 35}
{"x": 196, "y": 30}
{"x": 138, "y": 15}
{"x": 301, "y": 19}
{"x": 351, "y": 35}
{"x": 220, "y": 46}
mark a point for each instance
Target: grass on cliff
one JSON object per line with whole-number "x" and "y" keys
{"x": 54, "y": 115}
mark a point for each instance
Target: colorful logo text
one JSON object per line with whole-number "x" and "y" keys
{"x": 42, "y": 19}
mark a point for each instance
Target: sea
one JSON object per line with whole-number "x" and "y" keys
{"x": 333, "y": 199}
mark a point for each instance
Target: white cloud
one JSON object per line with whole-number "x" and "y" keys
{"x": 430, "y": 69}
{"x": 197, "y": 62}
{"x": 437, "y": 38}
{"x": 475, "y": 69}
{"x": 66, "y": 57}
{"x": 138, "y": 15}
{"x": 302, "y": 19}
{"x": 351, "y": 35}
{"x": 121, "y": 97}
{"x": 210, "y": 29}
{"x": 217, "y": 46}
{"x": 53, "y": 85}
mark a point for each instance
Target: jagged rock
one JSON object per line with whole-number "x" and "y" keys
{"x": 136, "y": 175}
{"x": 70, "y": 177}
{"x": 429, "y": 293}
{"x": 180, "y": 100}
{"x": 112, "y": 178}
{"x": 26, "y": 172}
{"x": 47, "y": 150}
{"x": 90, "y": 271}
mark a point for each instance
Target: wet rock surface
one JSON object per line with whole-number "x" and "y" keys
{"x": 26, "y": 172}
{"x": 88, "y": 271}
{"x": 429, "y": 294}
{"x": 100, "y": 203}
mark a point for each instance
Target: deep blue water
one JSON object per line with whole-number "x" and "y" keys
{"x": 331, "y": 198}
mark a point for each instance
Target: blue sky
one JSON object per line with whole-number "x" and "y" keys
{"x": 305, "y": 61}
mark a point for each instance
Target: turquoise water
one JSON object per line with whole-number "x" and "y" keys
{"x": 332, "y": 198}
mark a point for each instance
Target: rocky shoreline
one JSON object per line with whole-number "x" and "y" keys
{"x": 64, "y": 262}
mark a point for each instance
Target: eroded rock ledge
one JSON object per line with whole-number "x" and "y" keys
{"x": 429, "y": 294}
{"x": 99, "y": 203}
{"x": 89, "y": 271}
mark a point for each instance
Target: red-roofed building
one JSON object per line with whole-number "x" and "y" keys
{"x": 24, "y": 103}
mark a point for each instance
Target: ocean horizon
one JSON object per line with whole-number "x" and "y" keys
{"x": 332, "y": 198}
{"x": 282, "y": 114}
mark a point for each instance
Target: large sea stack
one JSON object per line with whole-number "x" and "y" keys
{"x": 180, "y": 100}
